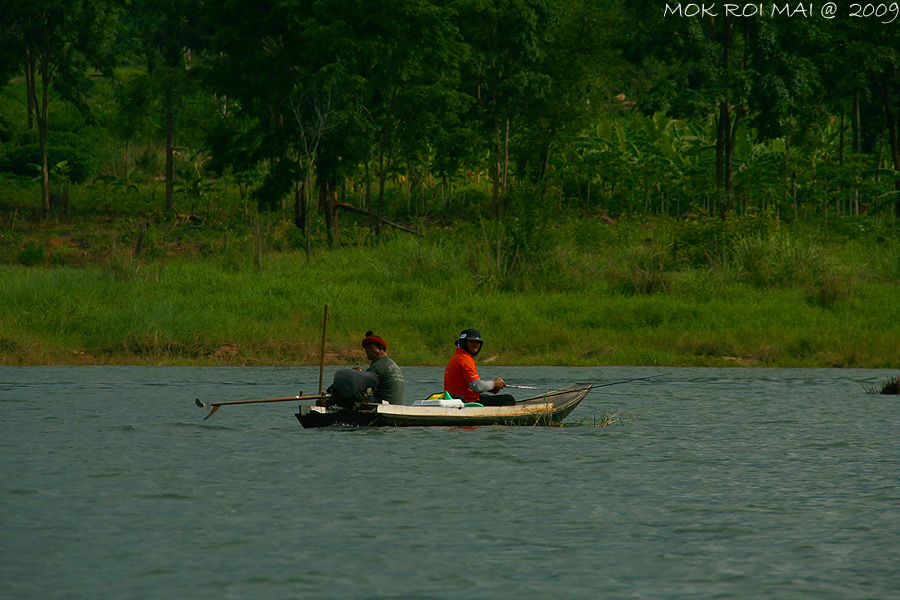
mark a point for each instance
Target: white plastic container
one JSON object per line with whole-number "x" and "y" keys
{"x": 442, "y": 402}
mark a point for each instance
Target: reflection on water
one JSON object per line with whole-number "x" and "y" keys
{"x": 729, "y": 482}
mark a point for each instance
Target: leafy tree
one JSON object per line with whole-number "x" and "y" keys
{"x": 873, "y": 48}
{"x": 56, "y": 41}
{"x": 406, "y": 55}
{"x": 279, "y": 67}
{"x": 170, "y": 40}
{"x": 579, "y": 66}
{"x": 741, "y": 70}
{"x": 502, "y": 70}
{"x": 321, "y": 88}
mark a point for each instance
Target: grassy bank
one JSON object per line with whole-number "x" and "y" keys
{"x": 652, "y": 292}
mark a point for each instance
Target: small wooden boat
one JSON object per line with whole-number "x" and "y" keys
{"x": 543, "y": 409}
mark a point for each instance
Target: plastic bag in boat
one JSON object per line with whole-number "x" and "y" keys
{"x": 351, "y": 386}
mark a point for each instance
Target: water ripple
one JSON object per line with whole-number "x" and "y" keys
{"x": 731, "y": 483}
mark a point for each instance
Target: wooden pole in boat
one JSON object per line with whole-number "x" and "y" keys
{"x": 322, "y": 360}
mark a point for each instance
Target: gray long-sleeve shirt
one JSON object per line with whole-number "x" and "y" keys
{"x": 390, "y": 380}
{"x": 480, "y": 386}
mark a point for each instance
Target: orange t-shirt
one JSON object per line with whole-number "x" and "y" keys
{"x": 459, "y": 373}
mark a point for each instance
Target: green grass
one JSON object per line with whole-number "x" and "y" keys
{"x": 572, "y": 304}
{"x": 557, "y": 290}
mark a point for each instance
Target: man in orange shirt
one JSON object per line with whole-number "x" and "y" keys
{"x": 461, "y": 377}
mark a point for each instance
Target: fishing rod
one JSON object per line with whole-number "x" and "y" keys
{"x": 600, "y": 385}
{"x": 630, "y": 380}
{"x": 543, "y": 397}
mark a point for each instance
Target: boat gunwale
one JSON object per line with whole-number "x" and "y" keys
{"x": 467, "y": 411}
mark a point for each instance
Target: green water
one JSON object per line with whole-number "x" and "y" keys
{"x": 770, "y": 483}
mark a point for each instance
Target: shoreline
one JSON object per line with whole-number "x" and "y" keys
{"x": 84, "y": 359}
{"x": 256, "y": 364}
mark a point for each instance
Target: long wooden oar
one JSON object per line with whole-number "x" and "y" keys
{"x": 214, "y": 406}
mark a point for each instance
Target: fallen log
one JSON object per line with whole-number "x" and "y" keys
{"x": 368, "y": 213}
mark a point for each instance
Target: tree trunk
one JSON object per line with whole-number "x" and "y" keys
{"x": 895, "y": 152}
{"x": 897, "y": 204}
{"x": 170, "y": 150}
{"x": 307, "y": 192}
{"x": 729, "y": 160}
{"x": 724, "y": 152}
{"x": 328, "y": 205}
{"x": 42, "y": 122}
{"x": 725, "y": 131}
{"x": 788, "y": 184}
{"x": 883, "y": 82}
{"x": 384, "y": 163}
{"x": 841, "y": 141}
{"x": 720, "y": 145}
{"x": 858, "y": 123}
{"x": 30, "y": 91}
{"x": 505, "y": 179}
{"x": 374, "y": 225}
{"x": 367, "y": 189}
{"x": 300, "y": 205}
{"x": 496, "y": 173}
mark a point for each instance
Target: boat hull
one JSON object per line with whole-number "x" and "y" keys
{"x": 545, "y": 409}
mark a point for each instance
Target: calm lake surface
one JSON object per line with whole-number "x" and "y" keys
{"x": 729, "y": 483}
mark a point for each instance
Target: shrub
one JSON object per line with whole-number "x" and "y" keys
{"x": 641, "y": 270}
{"x": 776, "y": 261}
{"x": 706, "y": 345}
{"x": 705, "y": 240}
{"x": 25, "y": 160}
{"x": 32, "y": 253}
{"x": 829, "y": 289}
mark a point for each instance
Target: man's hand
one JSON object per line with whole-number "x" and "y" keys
{"x": 499, "y": 384}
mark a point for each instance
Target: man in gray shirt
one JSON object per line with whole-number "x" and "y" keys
{"x": 390, "y": 377}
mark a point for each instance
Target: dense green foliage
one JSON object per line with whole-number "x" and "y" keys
{"x": 602, "y": 104}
